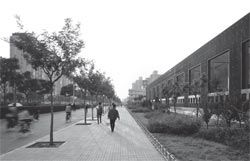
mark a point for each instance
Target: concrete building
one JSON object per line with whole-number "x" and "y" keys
{"x": 36, "y": 74}
{"x": 137, "y": 89}
{"x": 153, "y": 77}
{"x": 140, "y": 85}
{"x": 225, "y": 61}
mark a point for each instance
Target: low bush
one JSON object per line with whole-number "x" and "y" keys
{"x": 141, "y": 110}
{"x": 174, "y": 124}
{"x": 155, "y": 113}
{"x": 234, "y": 137}
{"x": 149, "y": 115}
{"x": 130, "y": 106}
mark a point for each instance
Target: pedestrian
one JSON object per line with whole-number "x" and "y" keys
{"x": 11, "y": 116}
{"x": 25, "y": 120}
{"x": 68, "y": 112}
{"x": 113, "y": 115}
{"x": 74, "y": 106}
{"x": 36, "y": 112}
{"x": 99, "y": 113}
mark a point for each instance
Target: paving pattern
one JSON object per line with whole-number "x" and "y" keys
{"x": 94, "y": 143}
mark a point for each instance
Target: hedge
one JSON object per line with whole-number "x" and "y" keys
{"x": 173, "y": 124}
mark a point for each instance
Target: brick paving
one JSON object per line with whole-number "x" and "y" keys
{"x": 94, "y": 143}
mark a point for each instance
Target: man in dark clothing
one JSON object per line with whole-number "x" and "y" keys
{"x": 99, "y": 113}
{"x": 113, "y": 115}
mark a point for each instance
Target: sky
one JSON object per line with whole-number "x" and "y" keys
{"x": 128, "y": 38}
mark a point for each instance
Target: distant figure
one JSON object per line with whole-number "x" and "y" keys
{"x": 99, "y": 113}
{"x": 25, "y": 120}
{"x": 68, "y": 113}
{"x": 36, "y": 112}
{"x": 113, "y": 115}
{"x": 12, "y": 117}
{"x": 74, "y": 106}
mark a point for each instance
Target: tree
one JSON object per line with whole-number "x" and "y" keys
{"x": 84, "y": 84}
{"x": 29, "y": 86}
{"x": 195, "y": 89}
{"x": 167, "y": 93}
{"x": 8, "y": 69}
{"x": 107, "y": 89}
{"x": 175, "y": 92}
{"x": 54, "y": 53}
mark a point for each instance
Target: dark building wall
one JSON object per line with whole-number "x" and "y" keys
{"x": 229, "y": 40}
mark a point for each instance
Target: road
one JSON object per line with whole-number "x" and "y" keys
{"x": 11, "y": 140}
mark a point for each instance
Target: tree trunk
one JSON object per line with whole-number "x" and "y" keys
{"x": 229, "y": 123}
{"x": 92, "y": 110}
{"x": 27, "y": 99}
{"x": 4, "y": 94}
{"x": 14, "y": 92}
{"x": 197, "y": 106}
{"x": 174, "y": 108}
{"x": 52, "y": 116}
{"x": 85, "y": 114}
{"x": 218, "y": 117}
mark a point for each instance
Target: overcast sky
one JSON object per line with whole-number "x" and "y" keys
{"x": 128, "y": 38}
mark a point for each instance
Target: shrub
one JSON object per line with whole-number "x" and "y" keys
{"x": 142, "y": 110}
{"x": 212, "y": 134}
{"x": 174, "y": 124}
{"x": 155, "y": 113}
{"x": 234, "y": 137}
{"x": 130, "y": 106}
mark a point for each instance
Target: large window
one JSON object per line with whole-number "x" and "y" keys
{"x": 219, "y": 73}
{"x": 246, "y": 65}
{"x": 180, "y": 79}
{"x": 194, "y": 74}
{"x": 170, "y": 81}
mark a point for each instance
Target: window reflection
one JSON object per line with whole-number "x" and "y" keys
{"x": 194, "y": 74}
{"x": 219, "y": 73}
{"x": 180, "y": 79}
{"x": 246, "y": 65}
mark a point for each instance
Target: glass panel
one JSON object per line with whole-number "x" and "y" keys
{"x": 194, "y": 74}
{"x": 180, "y": 79}
{"x": 246, "y": 65}
{"x": 171, "y": 81}
{"x": 219, "y": 73}
{"x": 244, "y": 97}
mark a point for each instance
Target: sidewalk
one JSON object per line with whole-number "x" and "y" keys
{"x": 93, "y": 143}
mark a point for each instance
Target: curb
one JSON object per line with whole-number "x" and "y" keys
{"x": 158, "y": 146}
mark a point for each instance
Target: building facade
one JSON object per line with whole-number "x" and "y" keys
{"x": 140, "y": 85}
{"x": 137, "y": 89}
{"x": 225, "y": 61}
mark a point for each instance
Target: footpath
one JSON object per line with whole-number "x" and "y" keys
{"x": 94, "y": 142}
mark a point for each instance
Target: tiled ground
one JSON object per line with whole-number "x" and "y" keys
{"x": 95, "y": 142}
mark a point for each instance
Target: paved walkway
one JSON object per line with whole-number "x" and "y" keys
{"x": 10, "y": 140}
{"x": 93, "y": 143}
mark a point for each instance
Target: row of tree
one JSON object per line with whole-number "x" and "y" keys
{"x": 228, "y": 108}
{"x": 91, "y": 85}
{"x": 56, "y": 55}
{"x": 21, "y": 82}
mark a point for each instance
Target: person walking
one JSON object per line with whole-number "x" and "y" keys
{"x": 99, "y": 113}
{"x": 113, "y": 114}
{"x": 68, "y": 113}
